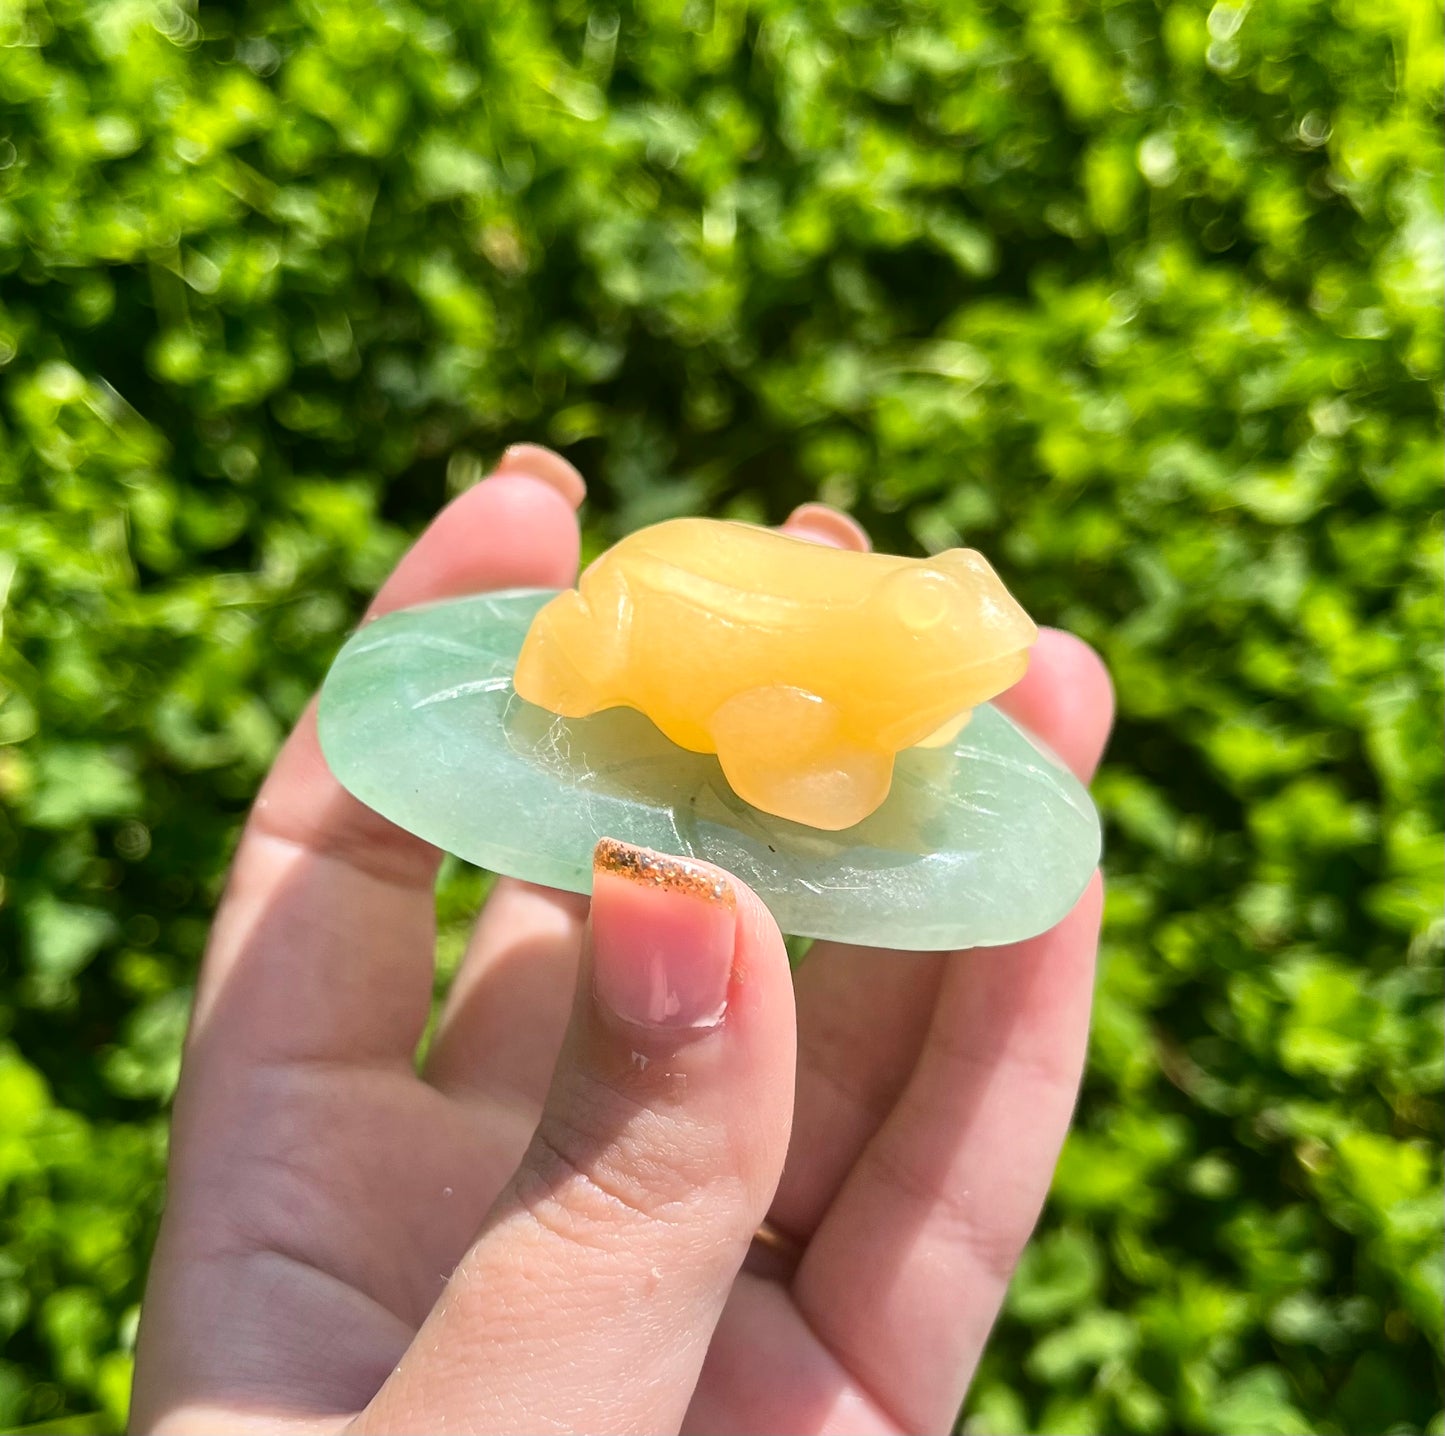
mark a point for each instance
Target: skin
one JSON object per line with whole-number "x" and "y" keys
{"x": 549, "y": 1228}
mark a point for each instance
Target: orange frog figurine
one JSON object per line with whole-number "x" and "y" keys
{"x": 804, "y": 668}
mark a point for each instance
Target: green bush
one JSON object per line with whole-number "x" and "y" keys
{"x": 1142, "y": 297}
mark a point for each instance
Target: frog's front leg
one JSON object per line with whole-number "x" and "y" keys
{"x": 786, "y": 750}
{"x": 568, "y": 661}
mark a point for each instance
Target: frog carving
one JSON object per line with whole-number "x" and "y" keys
{"x": 806, "y": 669}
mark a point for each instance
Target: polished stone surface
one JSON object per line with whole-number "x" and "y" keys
{"x": 983, "y": 841}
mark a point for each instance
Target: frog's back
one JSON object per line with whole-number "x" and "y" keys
{"x": 723, "y": 565}
{"x": 710, "y": 608}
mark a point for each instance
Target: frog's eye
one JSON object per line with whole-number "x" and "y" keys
{"x": 923, "y": 599}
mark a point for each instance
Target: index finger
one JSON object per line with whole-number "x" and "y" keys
{"x": 329, "y": 910}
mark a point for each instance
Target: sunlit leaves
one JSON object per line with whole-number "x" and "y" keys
{"x": 1143, "y": 299}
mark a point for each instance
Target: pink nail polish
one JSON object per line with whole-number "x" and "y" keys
{"x": 663, "y": 931}
{"x": 823, "y": 524}
{"x": 543, "y": 464}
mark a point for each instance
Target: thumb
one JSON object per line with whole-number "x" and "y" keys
{"x": 588, "y": 1301}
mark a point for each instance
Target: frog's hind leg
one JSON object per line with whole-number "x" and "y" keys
{"x": 567, "y": 661}
{"x": 785, "y": 750}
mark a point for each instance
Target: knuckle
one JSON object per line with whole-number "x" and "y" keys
{"x": 594, "y": 1186}
{"x": 566, "y": 1193}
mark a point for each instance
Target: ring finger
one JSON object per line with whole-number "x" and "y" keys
{"x": 863, "y": 1012}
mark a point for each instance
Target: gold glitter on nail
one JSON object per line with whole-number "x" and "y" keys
{"x": 656, "y": 870}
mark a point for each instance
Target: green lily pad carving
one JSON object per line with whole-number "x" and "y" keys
{"x": 986, "y": 841}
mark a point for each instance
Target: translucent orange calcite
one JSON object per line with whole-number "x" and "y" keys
{"x": 804, "y": 668}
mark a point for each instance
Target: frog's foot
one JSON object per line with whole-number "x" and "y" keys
{"x": 943, "y": 735}
{"x": 784, "y": 750}
{"x": 558, "y": 667}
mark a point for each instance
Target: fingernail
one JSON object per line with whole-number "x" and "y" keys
{"x": 663, "y": 931}
{"x": 543, "y": 464}
{"x": 823, "y": 524}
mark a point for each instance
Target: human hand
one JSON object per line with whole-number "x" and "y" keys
{"x": 549, "y": 1228}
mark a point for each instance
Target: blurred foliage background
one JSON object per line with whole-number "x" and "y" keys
{"x": 1140, "y": 296}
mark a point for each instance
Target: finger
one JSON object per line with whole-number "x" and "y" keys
{"x": 1065, "y": 698}
{"x": 826, "y": 525}
{"x": 502, "y": 1024}
{"x": 539, "y": 463}
{"x": 596, "y": 1282}
{"x": 328, "y": 914}
{"x": 903, "y": 1278}
{"x": 862, "y": 1012}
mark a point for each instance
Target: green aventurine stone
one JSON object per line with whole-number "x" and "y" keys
{"x": 986, "y": 841}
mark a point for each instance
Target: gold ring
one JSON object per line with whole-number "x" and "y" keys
{"x": 773, "y": 1253}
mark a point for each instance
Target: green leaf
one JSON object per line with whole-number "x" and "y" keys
{"x": 64, "y": 936}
